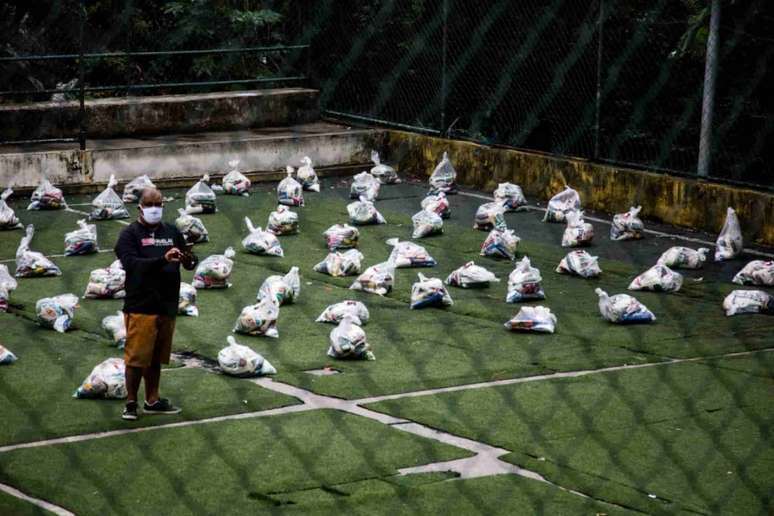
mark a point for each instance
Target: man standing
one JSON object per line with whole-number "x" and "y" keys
{"x": 151, "y": 253}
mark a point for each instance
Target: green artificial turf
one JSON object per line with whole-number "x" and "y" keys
{"x": 696, "y": 436}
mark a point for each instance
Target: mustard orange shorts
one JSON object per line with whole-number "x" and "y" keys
{"x": 148, "y": 339}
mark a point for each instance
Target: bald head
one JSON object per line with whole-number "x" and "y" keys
{"x": 150, "y": 196}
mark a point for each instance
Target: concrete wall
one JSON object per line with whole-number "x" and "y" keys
{"x": 136, "y": 116}
{"x": 673, "y": 200}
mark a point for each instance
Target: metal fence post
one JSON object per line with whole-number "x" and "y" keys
{"x": 598, "y": 107}
{"x": 445, "y": 14}
{"x": 81, "y": 86}
{"x": 708, "y": 100}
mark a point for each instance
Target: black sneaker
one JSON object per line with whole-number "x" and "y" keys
{"x": 130, "y": 411}
{"x": 162, "y": 406}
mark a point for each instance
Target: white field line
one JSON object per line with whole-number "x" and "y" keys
{"x": 35, "y": 501}
{"x": 9, "y": 260}
{"x": 81, "y": 212}
{"x": 649, "y": 231}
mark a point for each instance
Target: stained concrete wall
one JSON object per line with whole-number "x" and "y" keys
{"x": 673, "y": 200}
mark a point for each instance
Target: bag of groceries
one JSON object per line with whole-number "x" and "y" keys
{"x": 490, "y": 215}
{"x": 524, "y": 283}
{"x": 261, "y": 242}
{"x": 115, "y": 328}
{"x": 429, "y": 292}
{"x": 341, "y": 236}
{"x": 364, "y": 185}
{"x": 438, "y": 204}
{"x": 235, "y": 182}
{"x": 7, "y": 284}
{"x": 6, "y": 356}
{"x": 241, "y": 361}
{"x": 471, "y": 275}
{"x": 106, "y": 381}
{"x": 259, "y": 319}
{"x": 444, "y": 177}
{"x": 214, "y": 271}
{"x": 627, "y": 226}
{"x": 384, "y": 173}
{"x": 533, "y": 318}
{"x": 729, "y": 242}
{"x": 335, "y": 313}
{"x": 757, "y": 272}
{"x": 133, "y": 189}
{"x": 192, "y": 228}
{"x": 341, "y": 264}
{"x": 56, "y": 312}
{"x": 510, "y": 196}
{"x": 107, "y": 283}
{"x": 409, "y": 254}
{"x": 578, "y": 232}
{"x": 31, "y": 264}
{"x": 200, "y": 198}
{"x": 186, "y": 301}
{"x": 282, "y": 221}
{"x": 308, "y": 176}
{"x": 363, "y": 212}
{"x": 426, "y": 223}
{"x": 285, "y": 289}
{"x": 289, "y": 191}
{"x": 684, "y": 258}
{"x": 348, "y": 341}
{"x": 377, "y": 279}
{"x": 8, "y": 218}
{"x": 108, "y": 205}
{"x": 623, "y": 308}
{"x": 500, "y": 244}
{"x": 580, "y": 263}
{"x": 81, "y": 241}
{"x": 560, "y": 204}
{"x": 658, "y": 278}
{"x": 46, "y": 197}
{"x": 748, "y": 302}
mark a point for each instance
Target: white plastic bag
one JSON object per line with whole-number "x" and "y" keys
{"x": 285, "y": 289}
{"x": 115, "y": 328}
{"x": 524, "y": 283}
{"x": 438, "y": 204}
{"x": 757, "y": 272}
{"x": 409, "y": 254}
{"x": 186, "y": 301}
{"x": 500, "y": 244}
{"x": 6, "y": 356}
{"x": 377, "y": 279}
{"x": 623, "y": 308}
{"x": 341, "y": 236}
{"x": 31, "y": 264}
{"x": 426, "y": 223}
{"x": 106, "y": 381}
{"x": 289, "y": 191}
{"x": 627, "y": 226}
{"x": 8, "y": 218}
{"x": 510, "y": 196}
{"x": 490, "y": 215}
{"x": 578, "y": 232}
{"x": 729, "y": 242}
{"x": 192, "y": 228}
{"x": 471, "y": 275}
{"x": 282, "y": 221}
{"x": 214, "y": 271}
{"x": 341, "y": 264}
{"x": 364, "y": 212}
{"x": 308, "y": 176}
{"x": 335, "y": 313}
{"x": 579, "y": 263}
{"x": 658, "y": 278}
{"x": 364, "y": 185}
{"x": 81, "y": 241}
{"x": 384, "y": 173}
{"x": 235, "y": 182}
{"x": 133, "y": 189}
{"x": 561, "y": 203}
{"x": 261, "y": 242}
{"x": 429, "y": 292}
{"x": 748, "y": 302}
{"x": 108, "y": 205}
{"x": 259, "y": 319}
{"x": 46, "y": 197}
{"x": 200, "y": 198}
{"x": 533, "y": 318}
{"x": 7, "y": 284}
{"x": 348, "y": 340}
{"x": 684, "y": 258}
{"x": 107, "y": 283}
{"x": 56, "y": 312}
{"x": 238, "y": 360}
{"x": 444, "y": 177}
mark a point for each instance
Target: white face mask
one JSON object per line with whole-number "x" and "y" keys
{"x": 152, "y": 214}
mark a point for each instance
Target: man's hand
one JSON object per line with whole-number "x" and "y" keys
{"x": 173, "y": 255}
